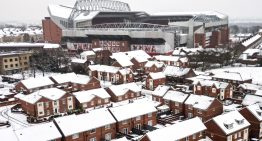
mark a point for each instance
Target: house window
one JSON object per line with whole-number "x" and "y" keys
{"x": 107, "y": 126}
{"x": 190, "y": 107}
{"x": 119, "y": 98}
{"x": 199, "y": 111}
{"x": 93, "y": 139}
{"x": 16, "y": 65}
{"x": 92, "y": 131}
{"x": 199, "y": 88}
{"x": 126, "y": 96}
{"x": 176, "y": 104}
{"x": 55, "y": 103}
{"x": 108, "y": 136}
{"x": 6, "y": 66}
{"x": 47, "y": 112}
{"x": 64, "y": 101}
{"x": 39, "y": 104}
{"x": 16, "y": 59}
{"x": 92, "y": 103}
{"x": 138, "y": 118}
{"x": 106, "y": 100}
{"x": 137, "y": 94}
{"x": 132, "y": 94}
{"x": 5, "y": 60}
{"x": 69, "y": 98}
{"x": 11, "y": 60}
{"x": 190, "y": 115}
{"x": 177, "y": 111}
{"x": 11, "y": 65}
{"x": 239, "y": 134}
{"x": 47, "y": 104}
{"x": 149, "y": 115}
{"x": 236, "y": 136}
{"x": 194, "y": 136}
{"x": 214, "y": 90}
{"x": 229, "y": 138}
{"x": 187, "y": 138}
{"x": 99, "y": 101}
{"x": 84, "y": 105}
{"x": 200, "y": 134}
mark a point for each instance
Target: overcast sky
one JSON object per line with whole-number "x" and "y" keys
{"x": 28, "y": 11}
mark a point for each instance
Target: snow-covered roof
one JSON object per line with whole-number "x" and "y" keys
{"x": 210, "y": 83}
{"x": 167, "y": 58}
{"x": 255, "y": 110}
{"x": 250, "y": 86}
{"x": 251, "y": 52}
{"x": 175, "y": 71}
{"x": 86, "y": 96}
{"x": 87, "y": 53}
{"x": 79, "y": 61}
{"x": 156, "y": 63}
{"x": 103, "y": 68}
{"x": 32, "y": 83}
{"x": 251, "y": 99}
{"x": 231, "y": 118}
{"x": 64, "y": 78}
{"x": 81, "y": 79}
{"x": 157, "y": 75}
{"x": 73, "y": 124}
{"x": 199, "y": 101}
{"x": 40, "y": 132}
{"x": 160, "y": 90}
{"x": 175, "y": 96}
{"x": 177, "y": 131}
{"x": 120, "y": 90}
{"x": 50, "y": 93}
{"x": 232, "y": 76}
{"x": 139, "y": 55}
{"x": 122, "y": 59}
{"x": 125, "y": 71}
{"x": 132, "y": 110}
{"x": 251, "y": 40}
{"x": 59, "y": 11}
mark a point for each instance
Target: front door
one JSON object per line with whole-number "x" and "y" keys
{"x": 108, "y": 136}
{"x": 125, "y": 130}
{"x": 151, "y": 84}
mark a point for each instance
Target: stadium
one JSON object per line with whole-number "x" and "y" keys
{"x": 112, "y": 25}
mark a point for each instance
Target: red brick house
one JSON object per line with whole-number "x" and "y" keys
{"x": 173, "y": 60}
{"x": 253, "y": 114}
{"x": 202, "y": 106}
{"x": 154, "y": 66}
{"x": 88, "y": 56}
{"x": 93, "y": 126}
{"x": 235, "y": 78}
{"x": 155, "y": 79}
{"x": 75, "y": 82}
{"x": 121, "y": 60}
{"x": 175, "y": 101}
{"x": 231, "y": 126}
{"x": 159, "y": 93}
{"x": 92, "y": 98}
{"x": 33, "y": 84}
{"x": 84, "y": 82}
{"x": 43, "y": 132}
{"x": 249, "y": 88}
{"x": 111, "y": 74}
{"x": 188, "y": 130}
{"x": 178, "y": 74}
{"x": 47, "y": 102}
{"x": 134, "y": 115}
{"x": 220, "y": 90}
{"x": 124, "y": 92}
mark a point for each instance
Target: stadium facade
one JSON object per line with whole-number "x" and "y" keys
{"x": 111, "y": 25}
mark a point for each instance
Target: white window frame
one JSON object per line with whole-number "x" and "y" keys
{"x": 75, "y": 136}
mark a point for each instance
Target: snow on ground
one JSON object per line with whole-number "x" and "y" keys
{"x": 17, "y": 120}
{"x": 29, "y": 73}
{"x": 254, "y": 72}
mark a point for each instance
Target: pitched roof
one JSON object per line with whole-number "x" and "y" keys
{"x": 255, "y": 109}
{"x": 199, "y": 101}
{"x": 103, "y": 68}
{"x": 176, "y": 71}
{"x": 232, "y": 76}
{"x": 120, "y": 90}
{"x": 32, "y": 83}
{"x": 157, "y": 75}
{"x": 231, "y": 118}
{"x": 167, "y": 58}
{"x": 176, "y": 96}
{"x": 156, "y": 63}
{"x": 50, "y": 93}
{"x": 251, "y": 99}
{"x": 73, "y": 124}
{"x": 161, "y": 90}
{"x": 177, "y": 131}
{"x": 40, "y": 132}
{"x": 86, "y": 96}
{"x": 132, "y": 110}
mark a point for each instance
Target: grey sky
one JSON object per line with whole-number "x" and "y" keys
{"x": 34, "y": 10}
